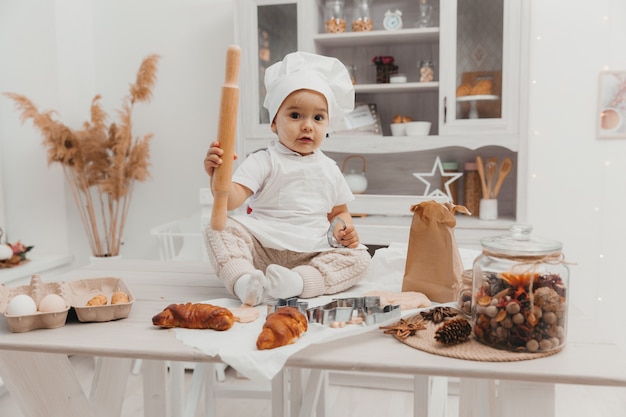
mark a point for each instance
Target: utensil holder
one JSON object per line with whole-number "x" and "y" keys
{"x": 488, "y": 209}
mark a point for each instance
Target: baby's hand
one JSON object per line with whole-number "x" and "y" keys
{"x": 348, "y": 237}
{"x": 213, "y": 158}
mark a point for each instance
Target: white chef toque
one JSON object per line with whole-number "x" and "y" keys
{"x": 304, "y": 70}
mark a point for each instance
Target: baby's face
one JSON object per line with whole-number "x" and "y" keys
{"x": 301, "y": 122}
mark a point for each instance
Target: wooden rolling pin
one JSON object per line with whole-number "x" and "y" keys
{"x": 223, "y": 174}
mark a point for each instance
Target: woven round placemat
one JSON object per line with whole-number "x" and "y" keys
{"x": 471, "y": 350}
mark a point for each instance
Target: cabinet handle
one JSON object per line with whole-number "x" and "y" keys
{"x": 445, "y": 109}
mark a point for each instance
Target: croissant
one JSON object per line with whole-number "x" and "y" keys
{"x": 195, "y": 316}
{"x": 282, "y": 327}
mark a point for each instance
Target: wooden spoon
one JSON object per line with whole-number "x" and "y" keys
{"x": 481, "y": 174}
{"x": 491, "y": 168}
{"x": 505, "y": 168}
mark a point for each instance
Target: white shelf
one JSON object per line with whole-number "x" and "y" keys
{"x": 375, "y": 144}
{"x": 401, "y": 144}
{"x": 38, "y": 264}
{"x": 377, "y": 37}
{"x": 396, "y": 87}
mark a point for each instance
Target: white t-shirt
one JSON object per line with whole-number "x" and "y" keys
{"x": 291, "y": 197}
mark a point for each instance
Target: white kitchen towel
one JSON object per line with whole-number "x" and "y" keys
{"x": 237, "y": 346}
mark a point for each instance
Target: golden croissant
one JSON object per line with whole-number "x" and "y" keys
{"x": 282, "y": 327}
{"x": 195, "y": 316}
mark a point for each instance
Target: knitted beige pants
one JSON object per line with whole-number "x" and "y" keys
{"x": 234, "y": 252}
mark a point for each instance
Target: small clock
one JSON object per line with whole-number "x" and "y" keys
{"x": 392, "y": 20}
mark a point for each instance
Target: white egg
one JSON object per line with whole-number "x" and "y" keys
{"x": 21, "y": 305}
{"x": 52, "y": 303}
{"x": 6, "y": 252}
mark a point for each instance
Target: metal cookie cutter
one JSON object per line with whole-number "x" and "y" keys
{"x": 344, "y": 310}
{"x": 287, "y": 302}
{"x": 330, "y": 235}
{"x": 340, "y": 310}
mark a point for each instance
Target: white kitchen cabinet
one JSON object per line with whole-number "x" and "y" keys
{"x": 482, "y": 42}
{"x": 458, "y": 43}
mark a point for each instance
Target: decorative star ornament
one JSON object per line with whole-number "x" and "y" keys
{"x": 437, "y": 191}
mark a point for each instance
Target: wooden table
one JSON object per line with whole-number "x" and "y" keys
{"x": 27, "y": 360}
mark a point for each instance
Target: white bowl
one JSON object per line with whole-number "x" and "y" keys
{"x": 417, "y": 128}
{"x": 398, "y": 129}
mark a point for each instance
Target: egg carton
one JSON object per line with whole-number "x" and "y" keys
{"x": 75, "y": 293}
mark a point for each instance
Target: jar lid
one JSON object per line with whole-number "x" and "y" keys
{"x": 450, "y": 166}
{"x": 520, "y": 242}
{"x": 470, "y": 166}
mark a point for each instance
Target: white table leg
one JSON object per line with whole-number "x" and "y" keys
{"x": 517, "y": 399}
{"x": 438, "y": 400}
{"x": 295, "y": 378}
{"x": 322, "y": 401}
{"x": 420, "y": 395}
{"x": 477, "y": 398}
{"x": 312, "y": 392}
{"x": 154, "y": 388}
{"x": 108, "y": 386}
{"x": 200, "y": 372}
{"x": 209, "y": 390}
{"x": 44, "y": 384}
{"x": 279, "y": 397}
{"x": 176, "y": 387}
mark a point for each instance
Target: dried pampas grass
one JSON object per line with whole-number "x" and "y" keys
{"x": 101, "y": 162}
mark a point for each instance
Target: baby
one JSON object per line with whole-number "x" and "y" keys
{"x": 297, "y": 236}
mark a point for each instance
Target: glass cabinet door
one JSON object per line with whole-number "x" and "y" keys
{"x": 267, "y": 30}
{"x": 482, "y": 78}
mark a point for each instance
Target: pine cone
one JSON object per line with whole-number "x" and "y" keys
{"x": 453, "y": 331}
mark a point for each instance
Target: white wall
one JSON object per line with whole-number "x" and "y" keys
{"x": 60, "y": 54}
{"x": 576, "y": 183}
{"x": 33, "y": 193}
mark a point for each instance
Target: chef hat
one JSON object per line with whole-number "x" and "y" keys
{"x": 303, "y": 70}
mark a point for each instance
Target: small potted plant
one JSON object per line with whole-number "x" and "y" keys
{"x": 385, "y": 67}
{"x": 12, "y": 254}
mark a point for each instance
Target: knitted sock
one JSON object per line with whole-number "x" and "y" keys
{"x": 250, "y": 288}
{"x": 283, "y": 282}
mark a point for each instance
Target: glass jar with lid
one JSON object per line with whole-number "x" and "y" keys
{"x": 520, "y": 292}
{"x": 427, "y": 71}
{"x": 361, "y": 16}
{"x": 334, "y": 17}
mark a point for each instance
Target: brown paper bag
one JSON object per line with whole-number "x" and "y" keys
{"x": 433, "y": 263}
